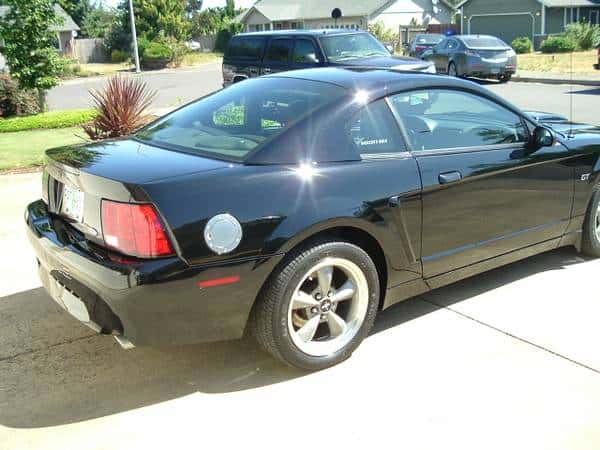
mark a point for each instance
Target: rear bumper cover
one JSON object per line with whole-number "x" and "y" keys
{"x": 152, "y": 302}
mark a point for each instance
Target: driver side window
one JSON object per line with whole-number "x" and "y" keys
{"x": 444, "y": 119}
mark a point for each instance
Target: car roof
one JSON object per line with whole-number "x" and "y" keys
{"x": 376, "y": 80}
{"x": 316, "y": 32}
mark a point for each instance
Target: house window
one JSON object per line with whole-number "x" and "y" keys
{"x": 571, "y": 15}
{"x": 595, "y": 17}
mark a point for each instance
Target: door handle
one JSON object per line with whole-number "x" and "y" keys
{"x": 449, "y": 177}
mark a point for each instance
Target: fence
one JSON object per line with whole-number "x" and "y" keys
{"x": 91, "y": 51}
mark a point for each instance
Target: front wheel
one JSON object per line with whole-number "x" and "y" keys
{"x": 590, "y": 244}
{"x": 318, "y": 307}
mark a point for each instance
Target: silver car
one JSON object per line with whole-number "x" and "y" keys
{"x": 474, "y": 56}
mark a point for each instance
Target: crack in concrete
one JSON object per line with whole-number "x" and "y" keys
{"x": 506, "y": 333}
{"x": 58, "y": 344}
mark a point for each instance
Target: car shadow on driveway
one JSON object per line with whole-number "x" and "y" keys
{"x": 54, "y": 371}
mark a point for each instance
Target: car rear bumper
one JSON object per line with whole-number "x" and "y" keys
{"x": 151, "y": 302}
{"x": 486, "y": 69}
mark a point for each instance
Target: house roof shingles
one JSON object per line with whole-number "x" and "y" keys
{"x": 67, "y": 23}
{"x": 276, "y": 10}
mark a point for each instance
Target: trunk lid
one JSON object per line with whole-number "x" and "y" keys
{"x": 77, "y": 178}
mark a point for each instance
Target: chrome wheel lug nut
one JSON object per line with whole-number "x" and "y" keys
{"x": 318, "y": 296}
{"x": 314, "y": 310}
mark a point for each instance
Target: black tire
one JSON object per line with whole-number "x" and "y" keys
{"x": 505, "y": 78}
{"x": 269, "y": 320}
{"x": 590, "y": 242}
{"x": 452, "y": 70}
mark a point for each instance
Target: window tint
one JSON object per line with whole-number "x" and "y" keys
{"x": 234, "y": 121}
{"x": 484, "y": 42}
{"x": 442, "y": 119}
{"x": 374, "y": 130}
{"x": 305, "y": 52}
{"x": 246, "y": 47}
{"x": 279, "y": 50}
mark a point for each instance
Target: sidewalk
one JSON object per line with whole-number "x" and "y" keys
{"x": 586, "y": 79}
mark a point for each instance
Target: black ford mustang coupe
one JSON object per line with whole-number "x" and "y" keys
{"x": 295, "y": 207}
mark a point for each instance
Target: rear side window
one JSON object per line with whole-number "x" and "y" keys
{"x": 279, "y": 50}
{"x": 375, "y": 131}
{"x": 246, "y": 47}
{"x": 305, "y": 52}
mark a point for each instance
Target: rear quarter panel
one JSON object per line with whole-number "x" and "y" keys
{"x": 281, "y": 206}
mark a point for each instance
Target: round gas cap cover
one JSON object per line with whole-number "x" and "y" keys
{"x": 223, "y": 233}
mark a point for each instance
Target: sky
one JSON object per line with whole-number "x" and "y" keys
{"x": 206, "y": 4}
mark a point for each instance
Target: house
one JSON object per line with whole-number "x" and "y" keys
{"x": 307, "y": 14}
{"x": 535, "y": 19}
{"x": 65, "y": 30}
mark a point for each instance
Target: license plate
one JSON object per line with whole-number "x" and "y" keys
{"x": 72, "y": 203}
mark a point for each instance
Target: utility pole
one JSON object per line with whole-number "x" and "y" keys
{"x": 136, "y": 55}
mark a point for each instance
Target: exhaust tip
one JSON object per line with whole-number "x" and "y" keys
{"x": 125, "y": 343}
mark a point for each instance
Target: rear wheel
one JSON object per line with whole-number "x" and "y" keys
{"x": 505, "y": 78}
{"x": 316, "y": 310}
{"x": 452, "y": 71}
{"x": 591, "y": 228}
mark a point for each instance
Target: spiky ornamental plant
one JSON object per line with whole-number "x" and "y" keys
{"x": 29, "y": 44}
{"x": 122, "y": 108}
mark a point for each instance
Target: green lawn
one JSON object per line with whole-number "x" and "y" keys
{"x": 26, "y": 148}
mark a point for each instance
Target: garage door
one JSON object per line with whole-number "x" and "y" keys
{"x": 506, "y": 28}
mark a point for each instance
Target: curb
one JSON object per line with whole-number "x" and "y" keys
{"x": 556, "y": 81}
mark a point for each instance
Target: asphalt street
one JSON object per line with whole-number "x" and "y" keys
{"x": 177, "y": 87}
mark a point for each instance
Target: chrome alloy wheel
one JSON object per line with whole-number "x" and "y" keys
{"x": 328, "y": 307}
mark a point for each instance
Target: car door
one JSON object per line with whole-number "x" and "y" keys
{"x": 277, "y": 56}
{"x": 439, "y": 56}
{"x": 484, "y": 192}
{"x": 305, "y": 54}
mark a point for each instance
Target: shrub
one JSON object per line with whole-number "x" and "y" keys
{"x": 156, "y": 55}
{"x": 522, "y": 45}
{"x": 585, "y": 35}
{"x": 15, "y": 101}
{"x": 558, "y": 44}
{"x": 49, "y": 120}
{"x": 121, "y": 108}
{"x": 118, "y": 56}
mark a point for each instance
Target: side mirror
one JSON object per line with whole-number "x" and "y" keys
{"x": 543, "y": 137}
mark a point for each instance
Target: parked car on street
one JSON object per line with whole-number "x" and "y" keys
{"x": 296, "y": 206}
{"x": 597, "y": 66}
{"x": 253, "y": 54}
{"x": 422, "y": 42}
{"x": 474, "y": 56}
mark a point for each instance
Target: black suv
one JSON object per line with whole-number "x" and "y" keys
{"x": 253, "y": 54}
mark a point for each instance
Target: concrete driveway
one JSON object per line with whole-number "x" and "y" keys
{"x": 505, "y": 360}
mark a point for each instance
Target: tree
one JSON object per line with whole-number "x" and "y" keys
{"x": 98, "y": 22}
{"x": 77, "y": 9}
{"x": 167, "y": 16}
{"x": 28, "y": 44}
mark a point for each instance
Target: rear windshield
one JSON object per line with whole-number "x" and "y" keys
{"x": 483, "y": 42}
{"x": 246, "y": 47}
{"x": 234, "y": 121}
{"x": 429, "y": 39}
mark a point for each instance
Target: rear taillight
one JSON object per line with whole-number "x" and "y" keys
{"x": 420, "y": 48}
{"x": 598, "y": 52}
{"x": 134, "y": 229}
{"x": 471, "y": 53}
